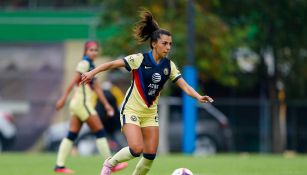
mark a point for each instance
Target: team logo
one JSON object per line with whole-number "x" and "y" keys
{"x": 131, "y": 59}
{"x": 133, "y": 118}
{"x": 156, "y": 77}
{"x": 157, "y": 119}
{"x": 165, "y": 71}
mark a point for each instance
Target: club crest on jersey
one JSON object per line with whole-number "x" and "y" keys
{"x": 133, "y": 118}
{"x": 157, "y": 119}
{"x": 165, "y": 71}
{"x": 156, "y": 77}
{"x": 131, "y": 59}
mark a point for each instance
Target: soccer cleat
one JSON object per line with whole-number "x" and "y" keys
{"x": 106, "y": 169}
{"x": 63, "y": 170}
{"x": 119, "y": 166}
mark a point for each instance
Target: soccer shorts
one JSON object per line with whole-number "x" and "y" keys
{"x": 82, "y": 110}
{"x": 138, "y": 120}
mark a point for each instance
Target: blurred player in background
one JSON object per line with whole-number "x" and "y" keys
{"x": 139, "y": 116}
{"x": 112, "y": 124}
{"x": 82, "y": 107}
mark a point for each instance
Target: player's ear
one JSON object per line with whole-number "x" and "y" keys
{"x": 153, "y": 44}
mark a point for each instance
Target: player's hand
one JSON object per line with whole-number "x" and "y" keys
{"x": 59, "y": 104}
{"x": 109, "y": 109}
{"x": 205, "y": 99}
{"x": 86, "y": 77}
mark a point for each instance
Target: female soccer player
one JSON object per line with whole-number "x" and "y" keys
{"x": 139, "y": 116}
{"x": 82, "y": 107}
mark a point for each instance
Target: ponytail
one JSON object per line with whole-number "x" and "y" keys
{"x": 148, "y": 28}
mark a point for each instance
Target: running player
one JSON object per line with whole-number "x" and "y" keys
{"x": 150, "y": 71}
{"x": 82, "y": 107}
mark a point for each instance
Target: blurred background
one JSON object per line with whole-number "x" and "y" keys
{"x": 250, "y": 56}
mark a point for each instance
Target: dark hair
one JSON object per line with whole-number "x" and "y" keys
{"x": 148, "y": 28}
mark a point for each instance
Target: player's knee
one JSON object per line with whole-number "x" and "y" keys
{"x": 101, "y": 133}
{"x": 136, "y": 151}
{"x": 149, "y": 156}
{"x": 72, "y": 135}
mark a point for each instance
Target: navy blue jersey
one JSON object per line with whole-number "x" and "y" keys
{"x": 148, "y": 79}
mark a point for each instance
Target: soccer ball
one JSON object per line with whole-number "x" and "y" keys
{"x": 182, "y": 171}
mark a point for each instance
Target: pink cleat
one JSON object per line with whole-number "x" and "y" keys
{"x": 119, "y": 166}
{"x": 63, "y": 170}
{"x": 106, "y": 169}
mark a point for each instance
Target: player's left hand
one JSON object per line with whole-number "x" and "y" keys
{"x": 205, "y": 99}
{"x": 109, "y": 109}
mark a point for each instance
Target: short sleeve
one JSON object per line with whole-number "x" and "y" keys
{"x": 83, "y": 67}
{"x": 175, "y": 73}
{"x": 133, "y": 61}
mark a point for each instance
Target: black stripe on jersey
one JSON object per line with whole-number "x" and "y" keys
{"x": 124, "y": 119}
{"x": 126, "y": 99}
{"x": 179, "y": 76}
{"x": 127, "y": 65}
{"x": 84, "y": 100}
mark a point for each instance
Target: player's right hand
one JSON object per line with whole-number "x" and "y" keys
{"x": 86, "y": 77}
{"x": 59, "y": 104}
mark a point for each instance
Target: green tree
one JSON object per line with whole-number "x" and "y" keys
{"x": 215, "y": 40}
{"x": 279, "y": 25}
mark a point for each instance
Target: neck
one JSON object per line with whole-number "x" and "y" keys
{"x": 156, "y": 56}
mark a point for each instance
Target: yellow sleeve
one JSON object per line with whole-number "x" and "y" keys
{"x": 133, "y": 61}
{"x": 175, "y": 73}
{"x": 83, "y": 66}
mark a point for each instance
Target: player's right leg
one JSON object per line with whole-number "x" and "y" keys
{"x": 134, "y": 137}
{"x": 101, "y": 141}
{"x": 66, "y": 146}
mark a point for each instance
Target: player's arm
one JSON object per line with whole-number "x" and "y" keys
{"x": 86, "y": 77}
{"x": 191, "y": 92}
{"x": 131, "y": 62}
{"x": 60, "y": 103}
{"x": 103, "y": 99}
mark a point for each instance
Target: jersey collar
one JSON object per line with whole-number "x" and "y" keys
{"x": 87, "y": 58}
{"x": 153, "y": 60}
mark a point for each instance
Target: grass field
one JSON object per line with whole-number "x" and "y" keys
{"x": 225, "y": 164}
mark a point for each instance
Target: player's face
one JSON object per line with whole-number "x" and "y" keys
{"x": 163, "y": 46}
{"x": 92, "y": 52}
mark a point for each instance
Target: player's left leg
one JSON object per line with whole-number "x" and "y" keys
{"x": 150, "y": 145}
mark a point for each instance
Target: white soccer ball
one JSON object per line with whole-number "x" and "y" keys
{"x": 182, "y": 171}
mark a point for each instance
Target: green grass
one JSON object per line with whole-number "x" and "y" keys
{"x": 224, "y": 164}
